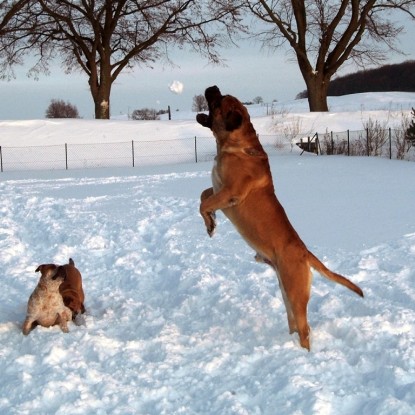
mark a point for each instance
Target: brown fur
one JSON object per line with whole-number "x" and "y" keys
{"x": 244, "y": 191}
{"x": 71, "y": 289}
{"x": 45, "y": 306}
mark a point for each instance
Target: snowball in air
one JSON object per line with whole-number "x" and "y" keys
{"x": 176, "y": 87}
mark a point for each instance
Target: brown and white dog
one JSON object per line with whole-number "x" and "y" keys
{"x": 244, "y": 191}
{"x": 45, "y": 306}
{"x": 71, "y": 289}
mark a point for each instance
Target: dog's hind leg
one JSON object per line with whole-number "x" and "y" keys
{"x": 292, "y": 323}
{"x": 300, "y": 315}
{"x": 296, "y": 294}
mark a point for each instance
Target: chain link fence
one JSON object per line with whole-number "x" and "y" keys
{"x": 376, "y": 142}
{"x": 384, "y": 143}
{"x": 96, "y": 155}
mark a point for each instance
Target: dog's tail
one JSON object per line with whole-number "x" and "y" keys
{"x": 323, "y": 270}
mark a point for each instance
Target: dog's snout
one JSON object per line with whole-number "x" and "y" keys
{"x": 60, "y": 273}
{"x": 213, "y": 95}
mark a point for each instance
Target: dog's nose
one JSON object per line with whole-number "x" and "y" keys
{"x": 60, "y": 273}
{"x": 212, "y": 94}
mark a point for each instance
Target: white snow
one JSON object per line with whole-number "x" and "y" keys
{"x": 176, "y": 87}
{"x": 178, "y": 323}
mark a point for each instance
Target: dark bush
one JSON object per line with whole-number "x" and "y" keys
{"x": 145, "y": 114}
{"x": 61, "y": 109}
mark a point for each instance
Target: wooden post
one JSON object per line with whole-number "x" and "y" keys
{"x": 348, "y": 142}
{"x": 66, "y": 156}
{"x": 132, "y": 150}
{"x": 390, "y": 143}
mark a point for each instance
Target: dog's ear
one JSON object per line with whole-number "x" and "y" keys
{"x": 204, "y": 120}
{"x": 38, "y": 268}
{"x": 233, "y": 119}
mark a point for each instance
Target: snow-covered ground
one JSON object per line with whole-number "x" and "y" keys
{"x": 178, "y": 323}
{"x": 350, "y": 112}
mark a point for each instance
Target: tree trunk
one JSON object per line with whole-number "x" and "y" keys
{"x": 100, "y": 86}
{"x": 317, "y": 87}
{"x": 102, "y": 108}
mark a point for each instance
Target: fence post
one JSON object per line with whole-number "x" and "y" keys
{"x": 348, "y": 143}
{"x": 66, "y": 156}
{"x": 332, "y": 143}
{"x": 1, "y": 160}
{"x": 390, "y": 144}
{"x": 196, "y": 149}
{"x": 318, "y": 143}
{"x": 132, "y": 150}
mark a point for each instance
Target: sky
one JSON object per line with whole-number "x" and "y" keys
{"x": 249, "y": 72}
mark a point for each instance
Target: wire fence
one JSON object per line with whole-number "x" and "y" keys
{"x": 381, "y": 143}
{"x": 116, "y": 154}
{"x": 377, "y": 142}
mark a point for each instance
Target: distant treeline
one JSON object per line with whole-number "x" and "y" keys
{"x": 397, "y": 77}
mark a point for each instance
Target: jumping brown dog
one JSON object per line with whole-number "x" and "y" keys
{"x": 244, "y": 191}
{"x": 71, "y": 289}
{"x": 45, "y": 306}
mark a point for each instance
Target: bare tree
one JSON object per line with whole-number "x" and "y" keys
{"x": 8, "y": 10}
{"x": 199, "y": 103}
{"x": 58, "y": 108}
{"x": 104, "y": 37}
{"x": 258, "y": 100}
{"x": 145, "y": 114}
{"x": 10, "y": 26}
{"x": 324, "y": 34}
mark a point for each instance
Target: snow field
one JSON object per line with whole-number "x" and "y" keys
{"x": 178, "y": 323}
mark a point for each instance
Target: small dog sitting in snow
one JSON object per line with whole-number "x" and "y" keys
{"x": 45, "y": 306}
{"x": 72, "y": 291}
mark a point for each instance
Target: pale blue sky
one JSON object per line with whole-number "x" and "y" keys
{"x": 250, "y": 72}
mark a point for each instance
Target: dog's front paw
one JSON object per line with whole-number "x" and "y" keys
{"x": 211, "y": 230}
{"x": 211, "y": 225}
{"x": 210, "y": 222}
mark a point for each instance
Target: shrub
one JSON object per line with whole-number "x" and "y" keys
{"x": 61, "y": 109}
{"x": 199, "y": 103}
{"x": 410, "y": 131}
{"x": 145, "y": 114}
{"x": 376, "y": 136}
